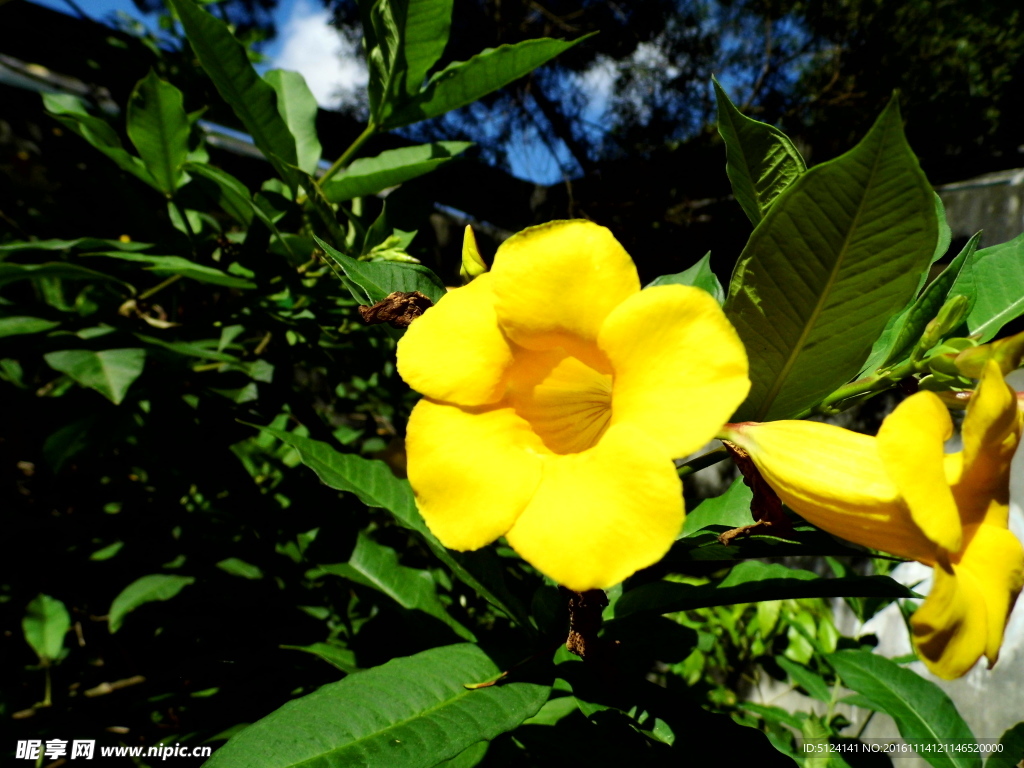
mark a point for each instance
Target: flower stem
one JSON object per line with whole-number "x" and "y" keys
{"x": 703, "y": 461}
{"x": 881, "y": 380}
{"x": 346, "y": 156}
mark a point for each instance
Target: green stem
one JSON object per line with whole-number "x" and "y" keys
{"x": 47, "y": 695}
{"x": 879, "y": 381}
{"x": 346, "y": 156}
{"x": 703, "y": 461}
{"x": 159, "y": 287}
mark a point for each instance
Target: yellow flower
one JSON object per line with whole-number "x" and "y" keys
{"x": 900, "y": 493}
{"x": 556, "y": 394}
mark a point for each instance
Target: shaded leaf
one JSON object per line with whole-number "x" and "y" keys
{"x": 335, "y": 655}
{"x": 9, "y": 273}
{"x": 371, "y": 281}
{"x": 298, "y": 107}
{"x": 177, "y": 265}
{"x": 20, "y": 325}
{"x": 369, "y": 175}
{"x": 240, "y": 568}
{"x": 922, "y": 711}
{"x": 837, "y": 254}
{"x": 699, "y": 275}
{"x": 147, "y": 589}
{"x": 361, "y": 721}
{"x": 761, "y": 161}
{"x": 81, "y": 243}
{"x": 1012, "y": 753}
{"x": 995, "y": 277}
{"x": 45, "y": 623}
{"x": 811, "y": 682}
{"x": 110, "y": 371}
{"x": 159, "y": 128}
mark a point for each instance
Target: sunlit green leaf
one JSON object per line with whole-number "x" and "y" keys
{"x": 412, "y": 712}
{"x": 371, "y": 281}
{"x": 110, "y": 371}
{"x": 837, "y": 254}
{"x": 45, "y": 623}
{"x": 159, "y": 128}
{"x": 699, "y": 275}
{"x": 731, "y": 509}
{"x": 237, "y": 567}
{"x": 995, "y": 276}
{"x": 19, "y": 326}
{"x": 298, "y": 107}
{"x": 370, "y": 175}
{"x": 147, "y": 589}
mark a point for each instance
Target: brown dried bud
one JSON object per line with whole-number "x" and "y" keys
{"x": 765, "y": 506}
{"x": 397, "y": 309}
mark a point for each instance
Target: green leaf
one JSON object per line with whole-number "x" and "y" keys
{"x": 9, "y": 273}
{"x": 376, "y": 566}
{"x": 412, "y": 712}
{"x": 928, "y": 304}
{"x": 233, "y": 196}
{"x": 251, "y": 98}
{"x": 298, "y": 108}
{"x": 376, "y": 486}
{"x": 110, "y": 372}
{"x": 240, "y": 568}
{"x": 191, "y": 349}
{"x": 159, "y": 128}
{"x": 749, "y": 582}
{"x": 45, "y": 623}
{"x": 811, "y": 682}
{"x": 995, "y": 276}
{"x": 463, "y": 82}
{"x": 699, "y": 275}
{"x": 147, "y": 589}
{"x": 427, "y": 27}
{"x": 731, "y": 510}
{"x": 69, "y": 112}
{"x": 761, "y": 161}
{"x": 81, "y": 243}
{"x": 837, "y": 254}
{"x": 1012, "y": 754}
{"x": 335, "y": 655}
{"x": 176, "y": 265}
{"x": 922, "y": 710}
{"x": 371, "y": 281}
{"x": 20, "y": 325}
{"x": 390, "y": 168}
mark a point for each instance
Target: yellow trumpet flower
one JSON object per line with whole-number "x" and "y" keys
{"x": 900, "y": 493}
{"x": 556, "y": 394}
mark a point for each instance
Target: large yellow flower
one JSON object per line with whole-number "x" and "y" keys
{"x": 556, "y": 394}
{"x": 898, "y": 492}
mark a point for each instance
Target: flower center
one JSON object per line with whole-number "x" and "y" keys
{"x": 567, "y": 402}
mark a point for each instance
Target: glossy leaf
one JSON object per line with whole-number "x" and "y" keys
{"x": 177, "y": 265}
{"x": 390, "y": 168}
{"x": 995, "y": 276}
{"x": 922, "y": 710}
{"x": 412, "y": 712}
{"x": 730, "y": 510}
{"x": 147, "y": 589}
{"x": 44, "y": 625}
{"x": 699, "y": 275}
{"x": 463, "y": 82}
{"x": 837, "y": 254}
{"x": 752, "y": 581}
{"x": 110, "y": 372}
{"x": 297, "y": 106}
{"x": 20, "y": 326}
{"x": 159, "y": 128}
{"x": 251, "y": 98}
{"x": 761, "y": 161}
{"x": 69, "y": 112}
{"x": 371, "y": 281}
{"x": 1012, "y": 754}
{"x": 376, "y": 566}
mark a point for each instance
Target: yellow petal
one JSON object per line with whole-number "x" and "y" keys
{"x": 950, "y": 629}
{"x": 473, "y": 470}
{"x": 473, "y": 264}
{"x": 601, "y": 515}
{"x": 680, "y": 368}
{"x": 455, "y": 351}
{"x": 991, "y": 433}
{"x": 555, "y": 283}
{"x": 835, "y": 479}
{"x": 910, "y": 445}
{"x": 994, "y": 559}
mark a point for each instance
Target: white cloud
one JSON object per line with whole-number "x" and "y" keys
{"x": 331, "y": 65}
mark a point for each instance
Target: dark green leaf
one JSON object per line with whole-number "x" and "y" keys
{"x": 376, "y": 566}
{"x": 233, "y": 196}
{"x": 412, "y": 712}
{"x": 159, "y": 128}
{"x": 463, "y": 82}
{"x": 147, "y": 589}
{"x": 45, "y": 623}
{"x": 335, "y": 655}
{"x": 370, "y": 175}
{"x": 811, "y": 682}
{"x": 699, "y": 275}
{"x": 749, "y": 582}
{"x": 995, "y": 276}
{"x": 205, "y": 350}
{"x": 18, "y": 326}
{"x": 176, "y": 265}
{"x": 1012, "y": 742}
{"x": 12, "y": 272}
{"x": 371, "y": 281}
{"x": 237, "y": 567}
{"x": 298, "y": 107}
{"x": 837, "y": 254}
{"x": 761, "y": 161}
{"x": 81, "y": 243}
{"x": 922, "y": 710}
{"x": 251, "y": 98}
{"x": 110, "y": 372}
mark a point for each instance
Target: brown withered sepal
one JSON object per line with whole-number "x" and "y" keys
{"x": 765, "y": 506}
{"x": 397, "y": 309}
